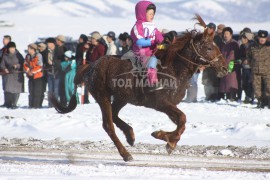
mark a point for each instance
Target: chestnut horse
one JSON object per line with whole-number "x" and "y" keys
{"x": 113, "y": 77}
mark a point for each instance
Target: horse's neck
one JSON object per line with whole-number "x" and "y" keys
{"x": 183, "y": 66}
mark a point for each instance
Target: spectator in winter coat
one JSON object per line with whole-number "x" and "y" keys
{"x": 88, "y": 49}
{"x": 230, "y": 51}
{"x": 209, "y": 77}
{"x": 246, "y": 37}
{"x": 60, "y": 42}
{"x": 129, "y": 42}
{"x": 53, "y": 66}
{"x": 3, "y": 51}
{"x": 124, "y": 47}
{"x": 112, "y": 48}
{"x": 259, "y": 60}
{"x": 69, "y": 67}
{"x": 80, "y": 49}
{"x": 218, "y": 38}
{"x": 146, "y": 37}
{"x": 33, "y": 67}
{"x": 12, "y": 65}
{"x": 98, "y": 48}
{"x": 42, "y": 49}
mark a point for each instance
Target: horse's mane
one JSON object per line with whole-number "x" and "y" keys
{"x": 168, "y": 55}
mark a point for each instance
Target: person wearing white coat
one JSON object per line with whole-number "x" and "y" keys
{"x": 112, "y": 48}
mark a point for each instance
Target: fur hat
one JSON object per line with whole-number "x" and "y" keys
{"x": 262, "y": 33}
{"x": 33, "y": 46}
{"x": 50, "y": 40}
{"x": 227, "y": 29}
{"x": 84, "y": 38}
{"x": 11, "y": 45}
{"x": 123, "y": 36}
{"x": 61, "y": 38}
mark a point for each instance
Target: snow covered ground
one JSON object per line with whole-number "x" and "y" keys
{"x": 40, "y": 143}
{"x": 220, "y": 123}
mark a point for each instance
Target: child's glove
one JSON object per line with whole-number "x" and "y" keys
{"x": 143, "y": 42}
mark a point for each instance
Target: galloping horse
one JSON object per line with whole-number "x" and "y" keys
{"x": 181, "y": 59}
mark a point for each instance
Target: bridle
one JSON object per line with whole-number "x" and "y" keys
{"x": 201, "y": 57}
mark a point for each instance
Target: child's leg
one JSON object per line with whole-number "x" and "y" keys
{"x": 152, "y": 70}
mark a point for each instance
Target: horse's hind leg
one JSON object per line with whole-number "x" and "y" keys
{"x": 106, "y": 109}
{"x": 179, "y": 118}
{"x": 117, "y": 105}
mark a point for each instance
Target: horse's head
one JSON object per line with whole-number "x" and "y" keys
{"x": 207, "y": 52}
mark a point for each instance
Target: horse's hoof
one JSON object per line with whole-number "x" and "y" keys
{"x": 130, "y": 141}
{"x": 128, "y": 158}
{"x": 169, "y": 148}
{"x": 156, "y": 134}
{"x": 130, "y": 137}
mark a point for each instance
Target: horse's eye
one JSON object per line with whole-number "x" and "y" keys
{"x": 209, "y": 49}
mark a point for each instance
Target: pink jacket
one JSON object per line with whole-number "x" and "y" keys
{"x": 144, "y": 29}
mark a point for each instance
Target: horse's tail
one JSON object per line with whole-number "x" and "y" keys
{"x": 78, "y": 79}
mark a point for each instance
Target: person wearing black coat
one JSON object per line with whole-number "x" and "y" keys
{"x": 42, "y": 48}
{"x": 60, "y": 42}
{"x": 53, "y": 67}
{"x": 246, "y": 37}
{"x": 80, "y": 49}
{"x": 124, "y": 48}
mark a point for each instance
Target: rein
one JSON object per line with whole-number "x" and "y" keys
{"x": 210, "y": 62}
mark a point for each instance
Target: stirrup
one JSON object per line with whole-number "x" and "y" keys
{"x": 154, "y": 88}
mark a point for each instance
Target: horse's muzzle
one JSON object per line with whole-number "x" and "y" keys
{"x": 222, "y": 72}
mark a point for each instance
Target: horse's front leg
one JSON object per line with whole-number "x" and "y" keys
{"x": 179, "y": 118}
